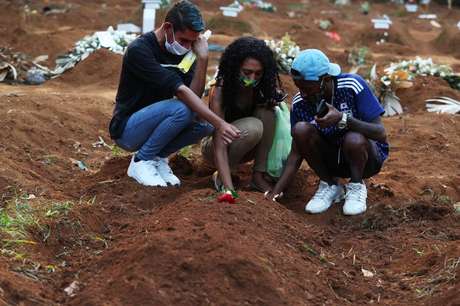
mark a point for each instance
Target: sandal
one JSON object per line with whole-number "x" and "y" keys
{"x": 217, "y": 182}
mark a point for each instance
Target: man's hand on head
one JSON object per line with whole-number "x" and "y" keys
{"x": 332, "y": 117}
{"x": 200, "y": 47}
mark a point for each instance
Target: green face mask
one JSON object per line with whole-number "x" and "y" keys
{"x": 247, "y": 82}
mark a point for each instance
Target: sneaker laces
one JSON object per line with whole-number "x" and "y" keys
{"x": 153, "y": 164}
{"x": 355, "y": 191}
{"x": 323, "y": 189}
{"x": 162, "y": 165}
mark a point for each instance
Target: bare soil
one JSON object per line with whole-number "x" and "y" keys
{"x": 130, "y": 245}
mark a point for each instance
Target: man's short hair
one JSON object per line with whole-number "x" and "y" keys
{"x": 185, "y": 15}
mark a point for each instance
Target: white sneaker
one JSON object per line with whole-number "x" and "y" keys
{"x": 355, "y": 199}
{"x": 145, "y": 173}
{"x": 324, "y": 197}
{"x": 165, "y": 171}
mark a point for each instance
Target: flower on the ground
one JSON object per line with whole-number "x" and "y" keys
{"x": 228, "y": 196}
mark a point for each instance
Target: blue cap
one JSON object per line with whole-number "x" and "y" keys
{"x": 312, "y": 63}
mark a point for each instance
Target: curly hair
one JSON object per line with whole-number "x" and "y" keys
{"x": 266, "y": 92}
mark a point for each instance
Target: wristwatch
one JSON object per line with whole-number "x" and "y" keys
{"x": 342, "y": 124}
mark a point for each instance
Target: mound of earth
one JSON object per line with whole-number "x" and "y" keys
{"x": 120, "y": 243}
{"x": 429, "y": 87}
{"x": 448, "y": 41}
{"x": 101, "y": 68}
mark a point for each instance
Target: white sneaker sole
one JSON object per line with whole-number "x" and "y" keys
{"x": 354, "y": 213}
{"x": 132, "y": 175}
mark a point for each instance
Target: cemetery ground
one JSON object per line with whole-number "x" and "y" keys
{"x": 75, "y": 230}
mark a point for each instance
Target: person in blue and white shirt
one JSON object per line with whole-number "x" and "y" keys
{"x": 345, "y": 140}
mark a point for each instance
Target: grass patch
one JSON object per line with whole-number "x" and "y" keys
{"x": 16, "y": 217}
{"x": 21, "y": 214}
{"x": 116, "y": 151}
{"x": 401, "y": 13}
{"x": 49, "y": 159}
{"x": 296, "y": 7}
{"x": 59, "y": 208}
{"x": 447, "y": 274}
{"x": 24, "y": 223}
{"x": 186, "y": 152}
{"x": 436, "y": 197}
{"x": 310, "y": 249}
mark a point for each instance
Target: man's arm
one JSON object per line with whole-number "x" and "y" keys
{"x": 215, "y": 100}
{"x": 372, "y": 130}
{"x": 223, "y": 129}
{"x": 200, "y": 48}
{"x": 292, "y": 165}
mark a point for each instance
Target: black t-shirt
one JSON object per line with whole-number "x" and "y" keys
{"x": 144, "y": 80}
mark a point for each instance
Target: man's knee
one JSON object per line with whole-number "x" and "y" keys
{"x": 204, "y": 129}
{"x": 181, "y": 111}
{"x": 304, "y": 132}
{"x": 354, "y": 143}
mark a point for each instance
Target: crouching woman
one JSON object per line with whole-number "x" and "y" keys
{"x": 247, "y": 89}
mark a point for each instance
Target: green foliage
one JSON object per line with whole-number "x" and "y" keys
{"x": 59, "y": 208}
{"x": 401, "y": 13}
{"x": 21, "y": 214}
{"x": 310, "y": 249}
{"x": 365, "y": 7}
{"x": 15, "y": 219}
{"x": 116, "y": 151}
{"x": 186, "y": 152}
{"x": 358, "y": 56}
{"x": 453, "y": 80}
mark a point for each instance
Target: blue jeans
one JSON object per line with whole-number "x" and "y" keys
{"x": 161, "y": 129}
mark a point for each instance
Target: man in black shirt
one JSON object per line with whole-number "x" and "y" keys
{"x": 158, "y": 107}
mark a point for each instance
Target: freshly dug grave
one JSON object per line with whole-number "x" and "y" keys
{"x": 124, "y": 244}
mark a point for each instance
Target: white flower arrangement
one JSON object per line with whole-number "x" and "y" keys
{"x": 265, "y": 6}
{"x": 115, "y": 41}
{"x": 285, "y": 51}
{"x": 408, "y": 70}
{"x": 402, "y": 74}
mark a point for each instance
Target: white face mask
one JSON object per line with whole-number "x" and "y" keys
{"x": 175, "y": 48}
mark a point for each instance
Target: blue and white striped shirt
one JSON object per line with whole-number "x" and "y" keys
{"x": 353, "y": 96}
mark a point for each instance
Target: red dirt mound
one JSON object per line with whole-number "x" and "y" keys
{"x": 126, "y": 244}
{"x": 448, "y": 42}
{"x": 413, "y": 99}
{"x": 181, "y": 247}
{"x": 101, "y": 68}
